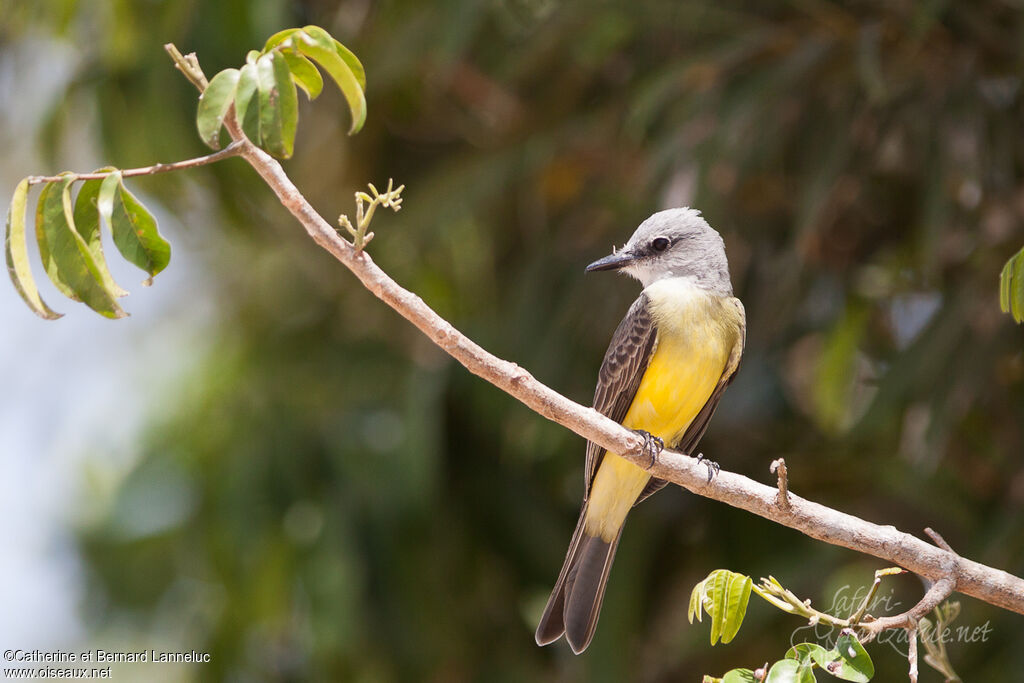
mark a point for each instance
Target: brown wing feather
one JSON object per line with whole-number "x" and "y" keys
{"x": 625, "y": 362}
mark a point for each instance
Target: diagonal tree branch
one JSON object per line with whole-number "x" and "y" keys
{"x": 991, "y": 585}
{"x": 817, "y": 521}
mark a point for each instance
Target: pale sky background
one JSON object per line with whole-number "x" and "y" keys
{"x": 75, "y": 391}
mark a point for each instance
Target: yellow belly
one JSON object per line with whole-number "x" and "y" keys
{"x": 692, "y": 352}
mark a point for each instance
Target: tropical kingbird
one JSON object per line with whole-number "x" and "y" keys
{"x": 666, "y": 368}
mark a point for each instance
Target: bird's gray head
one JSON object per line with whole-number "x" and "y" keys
{"x": 673, "y": 243}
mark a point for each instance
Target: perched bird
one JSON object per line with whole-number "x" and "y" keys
{"x": 666, "y": 368}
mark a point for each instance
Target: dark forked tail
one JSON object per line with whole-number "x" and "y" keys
{"x": 575, "y": 602}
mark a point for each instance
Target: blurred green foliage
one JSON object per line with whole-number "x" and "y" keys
{"x": 330, "y": 498}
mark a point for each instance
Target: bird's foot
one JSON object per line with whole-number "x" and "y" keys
{"x": 653, "y": 446}
{"x": 713, "y": 467}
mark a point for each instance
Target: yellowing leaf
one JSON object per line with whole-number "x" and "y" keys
{"x": 87, "y": 223}
{"x": 319, "y": 46}
{"x": 278, "y": 38}
{"x": 16, "y": 252}
{"x": 68, "y": 259}
{"x": 305, "y": 74}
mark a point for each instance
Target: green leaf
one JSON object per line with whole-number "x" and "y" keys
{"x": 305, "y": 74}
{"x": 789, "y": 671}
{"x": 318, "y": 45}
{"x": 97, "y": 269}
{"x": 49, "y": 216}
{"x": 724, "y": 595}
{"x": 278, "y": 38}
{"x": 1011, "y": 287}
{"x": 247, "y": 103}
{"x": 739, "y": 676}
{"x": 214, "y": 104}
{"x": 135, "y": 230}
{"x": 353, "y": 63}
{"x": 87, "y": 223}
{"x": 696, "y": 601}
{"x": 347, "y": 56}
{"x": 736, "y": 606}
{"x": 848, "y": 661}
{"x": 717, "y": 595}
{"x": 806, "y": 652}
{"x": 271, "y": 115}
{"x": 288, "y": 102}
{"x": 69, "y": 262}
{"x": 856, "y": 663}
{"x": 16, "y": 251}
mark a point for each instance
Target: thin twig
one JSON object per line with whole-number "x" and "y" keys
{"x": 939, "y": 591}
{"x": 912, "y": 652}
{"x": 189, "y": 66}
{"x": 992, "y": 585}
{"x": 859, "y": 614}
{"x": 939, "y": 540}
{"x": 779, "y": 468}
{"x": 784, "y": 599}
{"x": 232, "y": 150}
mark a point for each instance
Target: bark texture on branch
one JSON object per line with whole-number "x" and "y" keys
{"x": 991, "y": 585}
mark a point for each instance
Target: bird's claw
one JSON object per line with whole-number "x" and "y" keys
{"x": 653, "y": 446}
{"x": 713, "y": 467}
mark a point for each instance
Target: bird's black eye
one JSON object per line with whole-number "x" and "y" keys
{"x": 659, "y": 244}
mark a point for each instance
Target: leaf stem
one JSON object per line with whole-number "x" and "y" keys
{"x": 859, "y": 614}
{"x": 774, "y": 593}
{"x": 232, "y": 150}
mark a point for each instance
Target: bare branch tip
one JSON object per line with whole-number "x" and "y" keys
{"x": 939, "y": 540}
{"x": 188, "y": 65}
{"x": 778, "y": 468}
{"x": 912, "y": 653}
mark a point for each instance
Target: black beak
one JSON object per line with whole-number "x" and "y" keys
{"x": 612, "y": 261}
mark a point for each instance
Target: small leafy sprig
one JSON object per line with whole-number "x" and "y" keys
{"x": 263, "y": 95}
{"x": 389, "y": 199}
{"x": 262, "y": 99}
{"x": 724, "y": 596}
{"x": 68, "y": 235}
